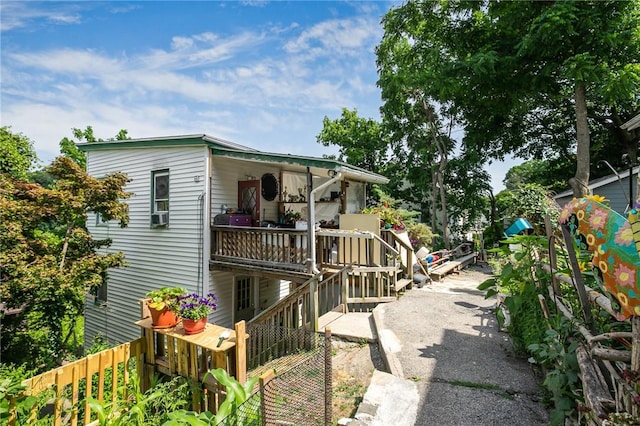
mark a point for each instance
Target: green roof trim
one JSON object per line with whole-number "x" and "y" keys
{"x": 187, "y": 140}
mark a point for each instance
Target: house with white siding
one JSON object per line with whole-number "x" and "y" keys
{"x": 213, "y": 216}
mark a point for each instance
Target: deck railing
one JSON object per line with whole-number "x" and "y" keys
{"x": 284, "y": 248}
{"x": 300, "y": 309}
{"x": 269, "y": 247}
{"x": 297, "y": 312}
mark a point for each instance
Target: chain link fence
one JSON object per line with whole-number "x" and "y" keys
{"x": 295, "y": 385}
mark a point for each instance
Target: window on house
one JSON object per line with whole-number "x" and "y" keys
{"x": 100, "y": 221}
{"x": 243, "y": 293}
{"x": 244, "y": 299}
{"x": 160, "y": 198}
{"x": 100, "y": 293}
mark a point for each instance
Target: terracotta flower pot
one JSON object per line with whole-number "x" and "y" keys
{"x": 194, "y": 326}
{"x": 163, "y": 318}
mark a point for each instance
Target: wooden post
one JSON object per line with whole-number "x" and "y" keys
{"x": 57, "y": 406}
{"x": 241, "y": 352}
{"x": 577, "y": 278}
{"x": 552, "y": 254}
{"x": 313, "y": 304}
{"x": 267, "y": 399}
{"x": 635, "y": 354}
{"x": 114, "y": 374}
{"x": 328, "y": 371}
{"x": 344, "y": 286}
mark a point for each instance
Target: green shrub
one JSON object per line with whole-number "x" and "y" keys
{"x": 521, "y": 281}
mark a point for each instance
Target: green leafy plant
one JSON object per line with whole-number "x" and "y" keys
{"x": 557, "y": 354}
{"x": 291, "y": 216}
{"x": 237, "y": 394}
{"x": 521, "y": 282}
{"x": 420, "y": 235}
{"x": 160, "y": 298}
{"x": 15, "y": 402}
{"x": 193, "y": 306}
{"x": 151, "y": 407}
{"x": 12, "y": 398}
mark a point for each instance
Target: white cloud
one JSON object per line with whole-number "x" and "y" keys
{"x": 15, "y": 14}
{"x": 343, "y": 36}
{"x": 180, "y": 43}
{"x": 257, "y": 88}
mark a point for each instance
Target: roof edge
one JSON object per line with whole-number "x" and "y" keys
{"x": 162, "y": 141}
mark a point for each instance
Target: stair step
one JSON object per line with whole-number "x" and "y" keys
{"x": 402, "y": 283}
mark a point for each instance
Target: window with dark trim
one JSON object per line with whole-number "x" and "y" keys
{"x": 100, "y": 221}
{"x": 100, "y": 293}
{"x": 160, "y": 198}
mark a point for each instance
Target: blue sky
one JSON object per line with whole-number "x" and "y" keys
{"x": 262, "y": 74}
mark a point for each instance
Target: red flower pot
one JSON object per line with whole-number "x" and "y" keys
{"x": 163, "y": 318}
{"x": 194, "y": 326}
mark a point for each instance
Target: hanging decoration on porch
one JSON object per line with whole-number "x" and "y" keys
{"x": 616, "y": 262}
{"x": 269, "y": 185}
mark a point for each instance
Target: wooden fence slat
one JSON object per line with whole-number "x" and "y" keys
{"x": 57, "y": 406}
{"x": 75, "y": 382}
{"x": 88, "y": 377}
{"x": 114, "y": 375}
{"x": 241, "y": 351}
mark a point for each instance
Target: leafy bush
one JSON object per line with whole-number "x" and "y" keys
{"x": 518, "y": 280}
{"x": 557, "y": 353}
{"x": 420, "y": 235}
{"x": 149, "y": 408}
{"x": 12, "y": 396}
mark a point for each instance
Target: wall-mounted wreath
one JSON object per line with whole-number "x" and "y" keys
{"x": 269, "y": 185}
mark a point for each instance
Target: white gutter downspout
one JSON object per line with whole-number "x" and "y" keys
{"x": 311, "y": 261}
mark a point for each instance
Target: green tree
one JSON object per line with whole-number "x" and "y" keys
{"x": 17, "y": 156}
{"x": 48, "y": 258}
{"x": 529, "y": 201}
{"x": 551, "y": 174}
{"x": 69, "y": 149}
{"x": 361, "y": 141}
{"x": 526, "y": 78}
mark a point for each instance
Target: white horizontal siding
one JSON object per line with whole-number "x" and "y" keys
{"x": 271, "y": 291}
{"x": 159, "y": 257}
{"x": 221, "y": 284}
{"x": 156, "y": 257}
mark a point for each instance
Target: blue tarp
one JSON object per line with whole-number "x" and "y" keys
{"x": 520, "y": 226}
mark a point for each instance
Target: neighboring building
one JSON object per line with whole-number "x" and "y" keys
{"x": 614, "y": 188}
{"x": 208, "y": 215}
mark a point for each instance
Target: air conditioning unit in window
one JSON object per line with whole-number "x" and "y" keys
{"x": 160, "y": 219}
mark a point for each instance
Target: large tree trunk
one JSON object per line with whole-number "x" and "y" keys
{"x": 434, "y": 201}
{"x": 579, "y": 183}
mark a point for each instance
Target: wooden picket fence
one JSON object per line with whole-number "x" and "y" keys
{"x": 66, "y": 381}
{"x": 104, "y": 376}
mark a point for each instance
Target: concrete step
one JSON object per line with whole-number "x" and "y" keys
{"x": 352, "y": 326}
{"x": 389, "y": 400}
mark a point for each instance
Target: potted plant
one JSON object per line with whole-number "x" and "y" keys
{"x": 160, "y": 303}
{"x": 194, "y": 310}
